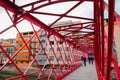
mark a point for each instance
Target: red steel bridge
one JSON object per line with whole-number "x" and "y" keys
{"x": 89, "y": 35}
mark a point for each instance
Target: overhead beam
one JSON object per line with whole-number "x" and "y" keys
{"x": 14, "y": 8}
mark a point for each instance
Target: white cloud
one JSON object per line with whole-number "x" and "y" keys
{"x": 4, "y": 20}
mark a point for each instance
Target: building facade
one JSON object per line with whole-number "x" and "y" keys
{"x": 116, "y": 42}
{"x": 46, "y": 47}
{"x": 24, "y": 56}
{"x": 9, "y": 46}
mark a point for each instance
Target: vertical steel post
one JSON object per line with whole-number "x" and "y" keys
{"x": 99, "y": 34}
{"x": 102, "y": 36}
{"x": 97, "y": 45}
{"x": 110, "y": 36}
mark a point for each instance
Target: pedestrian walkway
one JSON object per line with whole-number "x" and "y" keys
{"x": 83, "y": 73}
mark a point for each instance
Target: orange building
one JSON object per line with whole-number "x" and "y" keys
{"x": 24, "y": 58}
{"x": 9, "y": 47}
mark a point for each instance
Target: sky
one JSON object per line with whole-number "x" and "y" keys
{"x": 85, "y": 10}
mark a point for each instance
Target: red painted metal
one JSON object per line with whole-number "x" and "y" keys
{"x": 46, "y": 55}
{"x": 59, "y": 51}
{"x": 63, "y": 47}
{"x": 110, "y": 37}
{"x": 69, "y": 55}
{"x": 80, "y": 2}
{"x": 96, "y": 40}
{"x": 117, "y": 16}
{"x": 30, "y": 52}
{"x": 113, "y": 61}
{"x": 102, "y": 36}
{"x": 7, "y": 55}
{"x": 13, "y": 56}
{"x": 83, "y": 41}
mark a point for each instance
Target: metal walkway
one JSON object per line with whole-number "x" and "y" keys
{"x": 83, "y": 73}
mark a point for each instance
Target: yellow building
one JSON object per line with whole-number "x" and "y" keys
{"x": 9, "y": 47}
{"x": 24, "y": 58}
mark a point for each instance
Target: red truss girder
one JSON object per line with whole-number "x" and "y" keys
{"x": 14, "y": 8}
{"x": 75, "y": 41}
{"x": 106, "y": 56}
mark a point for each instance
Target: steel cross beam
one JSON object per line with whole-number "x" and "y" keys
{"x": 14, "y": 8}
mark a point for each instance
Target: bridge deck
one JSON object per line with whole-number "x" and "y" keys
{"x": 83, "y": 73}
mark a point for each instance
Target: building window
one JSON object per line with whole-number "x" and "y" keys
{"x": 25, "y": 33}
{"x": 67, "y": 58}
{"x": 34, "y": 45}
{"x": 34, "y": 52}
{"x": 16, "y": 62}
{"x": 51, "y": 42}
{"x": 60, "y": 42}
{"x": 50, "y": 49}
{"x": 20, "y": 45}
{"x": 67, "y": 48}
{"x": 27, "y": 62}
{"x": 21, "y": 61}
{"x": 3, "y": 56}
{"x": 51, "y": 58}
{"x": 59, "y": 49}
{"x": 42, "y": 41}
{"x": 8, "y": 50}
{"x": 51, "y": 36}
{"x": 11, "y": 49}
{"x": 30, "y": 32}
{"x": 42, "y": 52}
{"x": 42, "y": 59}
{"x": 59, "y": 58}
